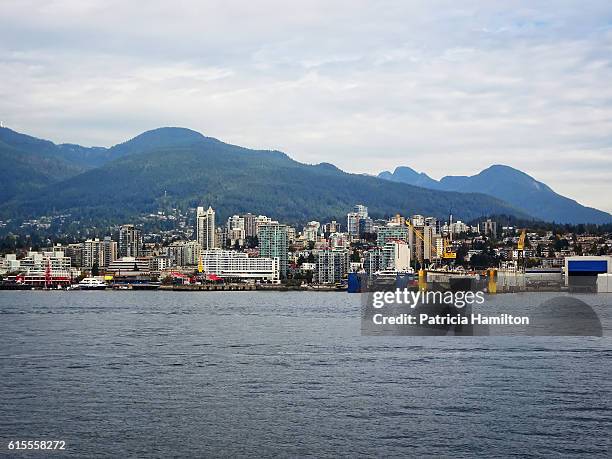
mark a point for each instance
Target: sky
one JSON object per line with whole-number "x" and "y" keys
{"x": 447, "y": 88}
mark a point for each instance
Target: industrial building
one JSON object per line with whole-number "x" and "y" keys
{"x": 581, "y": 272}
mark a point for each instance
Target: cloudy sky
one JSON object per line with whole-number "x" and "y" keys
{"x": 447, "y": 88}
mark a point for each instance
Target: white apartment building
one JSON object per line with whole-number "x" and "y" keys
{"x": 230, "y": 264}
{"x": 396, "y": 255}
{"x": 36, "y": 263}
{"x": 9, "y": 263}
{"x": 97, "y": 252}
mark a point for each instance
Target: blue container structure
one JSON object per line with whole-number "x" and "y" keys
{"x": 354, "y": 283}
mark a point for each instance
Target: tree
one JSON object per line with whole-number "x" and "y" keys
{"x": 95, "y": 269}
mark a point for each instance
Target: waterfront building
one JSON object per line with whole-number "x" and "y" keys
{"x": 125, "y": 266}
{"x": 274, "y": 243}
{"x": 160, "y": 262}
{"x": 205, "y": 228}
{"x": 130, "y": 241}
{"x": 75, "y": 252}
{"x": 232, "y": 265}
{"x": 92, "y": 253}
{"x": 37, "y": 262}
{"x": 9, "y": 263}
{"x": 332, "y": 265}
{"x": 50, "y": 268}
{"x": 111, "y": 250}
{"x": 373, "y": 261}
{"x": 396, "y": 255}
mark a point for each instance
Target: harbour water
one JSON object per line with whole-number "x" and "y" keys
{"x": 161, "y": 374}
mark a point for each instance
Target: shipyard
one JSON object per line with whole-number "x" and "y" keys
{"x": 413, "y": 259}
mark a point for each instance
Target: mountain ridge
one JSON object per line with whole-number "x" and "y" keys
{"x": 192, "y": 169}
{"x": 513, "y": 186}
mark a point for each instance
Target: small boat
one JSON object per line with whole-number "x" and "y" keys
{"x": 92, "y": 283}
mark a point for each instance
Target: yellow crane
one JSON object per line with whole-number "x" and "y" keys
{"x": 520, "y": 249}
{"x": 447, "y": 252}
{"x": 200, "y": 265}
{"x": 521, "y": 242}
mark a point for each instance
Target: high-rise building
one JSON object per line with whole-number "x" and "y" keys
{"x": 274, "y": 243}
{"x": 250, "y": 225}
{"x": 391, "y": 231}
{"x": 366, "y": 226}
{"x": 332, "y": 265}
{"x": 130, "y": 241}
{"x": 373, "y": 261}
{"x": 352, "y": 219}
{"x": 75, "y": 253}
{"x": 235, "y": 231}
{"x": 262, "y": 220}
{"x": 110, "y": 250}
{"x": 92, "y": 253}
{"x": 205, "y": 228}
{"x": 97, "y": 252}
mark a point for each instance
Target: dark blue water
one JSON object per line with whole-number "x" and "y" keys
{"x": 266, "y": 374}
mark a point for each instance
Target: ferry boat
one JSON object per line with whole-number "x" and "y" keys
{"x": 91, "y": 283}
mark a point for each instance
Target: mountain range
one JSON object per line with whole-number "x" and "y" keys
{"x": 510, "y": 185}
{"x": 102, "y": 186}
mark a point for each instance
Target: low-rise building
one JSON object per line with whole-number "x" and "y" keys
{"x": 232, "y": 265}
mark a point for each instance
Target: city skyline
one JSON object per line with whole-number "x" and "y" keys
{"x": 446, "y": 89}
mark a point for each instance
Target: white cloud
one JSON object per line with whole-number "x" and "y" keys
{"x": 443, "y": 88}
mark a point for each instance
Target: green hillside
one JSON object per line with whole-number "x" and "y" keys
{"x": 195, "y": 170}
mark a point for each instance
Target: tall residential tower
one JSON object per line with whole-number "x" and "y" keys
{"x": 205, "y": 228}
